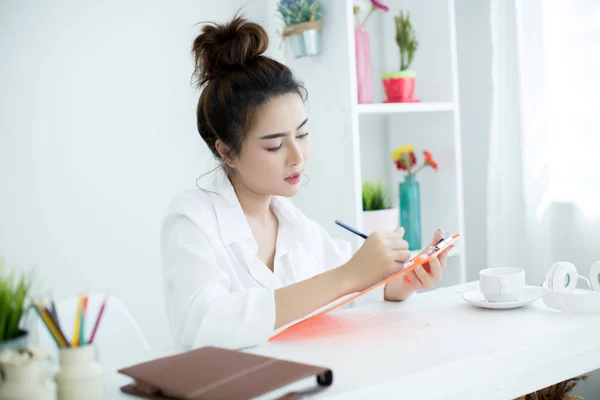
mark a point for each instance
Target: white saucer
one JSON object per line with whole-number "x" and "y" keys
{"x": 531, "y": 294}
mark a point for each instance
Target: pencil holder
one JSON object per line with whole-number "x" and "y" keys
{"x": 80, "y": 376}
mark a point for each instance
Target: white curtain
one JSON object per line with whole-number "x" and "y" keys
{"x": 544, "y": 170}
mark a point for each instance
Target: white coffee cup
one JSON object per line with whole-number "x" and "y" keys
{"x": 502, "y": 284}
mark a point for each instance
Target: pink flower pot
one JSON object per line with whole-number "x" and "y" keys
{"x": 399, "y": 87}
{"x": 363, "y": 65}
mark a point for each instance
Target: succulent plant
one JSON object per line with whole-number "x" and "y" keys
{"x": 298, "y": 11}
{"x": 406, "y": 39}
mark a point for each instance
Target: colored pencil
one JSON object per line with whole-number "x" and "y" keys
{"x": 76, "y": 328}
{"x": 54, "y": 317}
{"x": 98, "y": 318}
{"x": 52, "y": 310}
{"x": 47, "y": 320}
{"x": 82, "y": 325}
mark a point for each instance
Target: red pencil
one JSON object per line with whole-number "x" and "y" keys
{"x": 98, "y": 320}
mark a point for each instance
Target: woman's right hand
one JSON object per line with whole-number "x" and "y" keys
{"x": 381, "y": 255}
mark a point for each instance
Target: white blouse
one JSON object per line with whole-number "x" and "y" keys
{"x": 217, "y": 291}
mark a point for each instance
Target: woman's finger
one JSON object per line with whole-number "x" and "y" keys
{"x": 414, "y": 279}
{"x": 424, "y": 277}
{"x": 444, "y": 256}
{"x": 398, "y": 244}
{"x": 436, "y": 269}
{"x": 401, "y": 255}
{"x": 437, "y": 236}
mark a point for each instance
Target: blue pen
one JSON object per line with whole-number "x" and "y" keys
{"x": 343, "y": 225}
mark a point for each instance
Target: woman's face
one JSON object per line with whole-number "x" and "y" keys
{"x": 276, "y": 149}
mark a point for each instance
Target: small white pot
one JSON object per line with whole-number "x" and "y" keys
{"x": 26, "y": 382}
{"x": 380, "y": 220}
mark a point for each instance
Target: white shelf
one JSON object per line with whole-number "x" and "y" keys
{"x": 392, "y": 108}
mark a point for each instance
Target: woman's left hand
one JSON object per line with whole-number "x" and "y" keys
{"x": 425, "y": 276}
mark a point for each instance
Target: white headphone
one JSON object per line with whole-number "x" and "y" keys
{"x": 560, "y": 290}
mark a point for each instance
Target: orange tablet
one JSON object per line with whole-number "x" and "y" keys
{"x": 420, "y": 259}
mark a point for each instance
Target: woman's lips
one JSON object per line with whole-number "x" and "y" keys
{"x": 293, "y": 179}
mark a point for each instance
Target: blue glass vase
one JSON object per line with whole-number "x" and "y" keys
{"x": 410, "y": 211}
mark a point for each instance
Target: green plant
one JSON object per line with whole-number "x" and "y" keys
{"x": 13, "y": 294}
{"x": 298, "y": 11}
{"x": 375, "y": 196}
{"x": 406, "y": 40}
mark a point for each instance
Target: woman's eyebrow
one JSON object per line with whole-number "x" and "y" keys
{"x": 276, "y": 135}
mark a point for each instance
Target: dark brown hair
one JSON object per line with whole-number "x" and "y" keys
{"x": 235, "y": 79}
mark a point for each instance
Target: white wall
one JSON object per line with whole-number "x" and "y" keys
{"x": 475, "y": 80}
{"x": 97, "y": 134}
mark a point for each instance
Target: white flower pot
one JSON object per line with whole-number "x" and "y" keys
{"x": 27, "y": 382}
{"x": 380, "y": 220}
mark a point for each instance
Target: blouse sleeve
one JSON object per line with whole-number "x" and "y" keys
{"x": 336, "y": 252}
{"x": 200, "y": 308}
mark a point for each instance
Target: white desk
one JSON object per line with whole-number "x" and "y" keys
{"x": 436, "y": 345}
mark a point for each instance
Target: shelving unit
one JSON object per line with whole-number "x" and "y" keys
{"x": 393, "y": 108}
{"x": 355, "y": 141}
{"x": 432, "y": 124}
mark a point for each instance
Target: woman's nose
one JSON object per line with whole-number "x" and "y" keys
{"x": 295, "y": 155}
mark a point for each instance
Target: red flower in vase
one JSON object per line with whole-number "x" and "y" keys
{"x": 405, "y": 161}
{"x": 429, "y": 160}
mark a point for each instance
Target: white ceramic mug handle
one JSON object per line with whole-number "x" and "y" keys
{"x": 503, "y": 286}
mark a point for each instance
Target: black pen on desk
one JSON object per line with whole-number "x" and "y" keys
{"x": 343, "y": 225}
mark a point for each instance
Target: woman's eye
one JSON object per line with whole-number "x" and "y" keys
{"x": 274, "y": 149}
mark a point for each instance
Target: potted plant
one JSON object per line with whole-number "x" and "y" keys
{"x": 14, "y": 292}
{"x": 400, "y": 85}
{"x": 409, "y": 192}
{"x": 303, "y": 24}
{"x": 379, "y": 213}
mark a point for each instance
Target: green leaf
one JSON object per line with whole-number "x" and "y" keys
{"x": 297, "y": 12}
{"x": 13, "y": 295}
{"x": 375, "y": 196}
{"x": 17, "y": 312}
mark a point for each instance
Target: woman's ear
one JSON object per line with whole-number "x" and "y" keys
{"x": 224, "y": 152}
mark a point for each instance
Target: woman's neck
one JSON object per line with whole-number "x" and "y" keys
{"x": 255, "y": 206}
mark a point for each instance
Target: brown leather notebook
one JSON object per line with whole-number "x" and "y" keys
{"x": 214, "y": 373}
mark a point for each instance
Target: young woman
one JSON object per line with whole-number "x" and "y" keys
{"x": 239, "y": 260}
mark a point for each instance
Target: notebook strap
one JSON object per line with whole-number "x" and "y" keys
{"x": 230, "y": 378}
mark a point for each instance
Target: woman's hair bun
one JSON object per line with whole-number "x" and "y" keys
{"x": 222, "y": 47}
